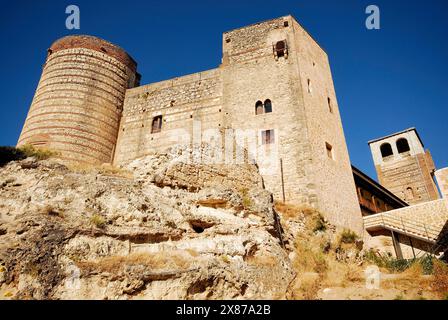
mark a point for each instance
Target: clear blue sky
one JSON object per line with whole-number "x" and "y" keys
{"x": 386, "y": 80}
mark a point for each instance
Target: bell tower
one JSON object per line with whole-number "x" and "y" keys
{"x": 404, "y": 166}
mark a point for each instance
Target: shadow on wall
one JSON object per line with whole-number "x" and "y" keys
{"x": 441, "y": 244}
{"x": 8, "y": 154}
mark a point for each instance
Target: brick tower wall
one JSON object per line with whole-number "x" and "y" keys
{"x": 78, "y": 103}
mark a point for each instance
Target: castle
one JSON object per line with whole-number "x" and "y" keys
{"x": 274, "y": 85}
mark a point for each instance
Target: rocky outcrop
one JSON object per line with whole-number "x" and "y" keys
{"x": 158, "y": 228}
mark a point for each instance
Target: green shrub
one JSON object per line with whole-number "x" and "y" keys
{"x": 246, "y": 200}
{"x": 399, "y": 265}
{"x": 98, "y": 221}
{"x": 319, "y": 224}
{"x": 348, "y": 236}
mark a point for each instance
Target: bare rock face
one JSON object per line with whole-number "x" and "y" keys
{"x": 159, "y": 228}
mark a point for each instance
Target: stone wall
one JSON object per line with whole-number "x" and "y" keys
{"x": 181, "y": 102}
{"x": 250, "y": 74}
{"x": 77, "y": 106}
{"x": 331, "y": 170}
{"x": 442, "y": 181}
{"x": 408, "y": 174}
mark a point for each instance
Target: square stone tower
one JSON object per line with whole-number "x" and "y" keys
{"x": 404, "y": 167}
{"x": 277, "y": 81}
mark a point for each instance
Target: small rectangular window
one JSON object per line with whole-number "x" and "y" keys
{"x": 267, "y": 136}
{"x": 329, "y": 149}
{"x": 156, "y": 124}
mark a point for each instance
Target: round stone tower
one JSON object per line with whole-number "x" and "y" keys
{"x": 77, "y": 106}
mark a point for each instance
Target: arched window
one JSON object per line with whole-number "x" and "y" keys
{"x": 402, "y": 145}
{"x": 280, "y": 48}
{"x": 386, "y": 150}
{"x": 259, "y": 107}
{"x": 267, "y": 106}
{"x": 156, "y": 124}
{"x": 409, "y": 193}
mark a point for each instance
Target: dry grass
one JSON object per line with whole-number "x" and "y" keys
{"x": 213, "y": 203}
{"x": 289, "y": 211}
{"x": 49, "y": 210}
{"x": 262, "y": 260}
{"x": 246, "y": 200}
{"x": 347, "y": 237}
{"x": 105, "y": 169}
{"x": 39, "y": 153}
{"x": 192, "y": 252}
{"x": 309, "y": 258}
{"x": 116, "y": 264}
{"x": 98, "y": 221}
{"x": 440, "y": 281}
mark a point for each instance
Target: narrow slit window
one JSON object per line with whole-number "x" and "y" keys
{"x": 330, "y": 107}
{"x": 156, "y": 124}
{"x": 329, "y": 149}
{"x": 409, "y": 193}
{"x": 309, "y": 86}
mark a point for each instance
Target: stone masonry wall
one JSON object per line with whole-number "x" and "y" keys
{"x": 400, "y": 171}
{"x": 180, "y": 102}
{"x": 250, "y": 74}
{"x": 442, "y": 181}
{"x": 331, "y": 170}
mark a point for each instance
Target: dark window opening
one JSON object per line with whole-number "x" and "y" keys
{"x": 285, "y": 24}
{"x": 156, "y": 124}
{"x": 329, "y": 149}
{"x": 280, "y": 49}
{"x": 330, "y": 107}
{"x": 267, "y": 106}
{"x": 267, "y": 136}
{"x": 409, "y": 193}
{"x": 259, "y": 107}
{"x": 386, "y": 150}
{"x": 403, "y": 145}
{"x": 309, "y": 85}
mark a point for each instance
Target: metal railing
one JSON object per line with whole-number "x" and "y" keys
{"x": 425, "y": 231}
